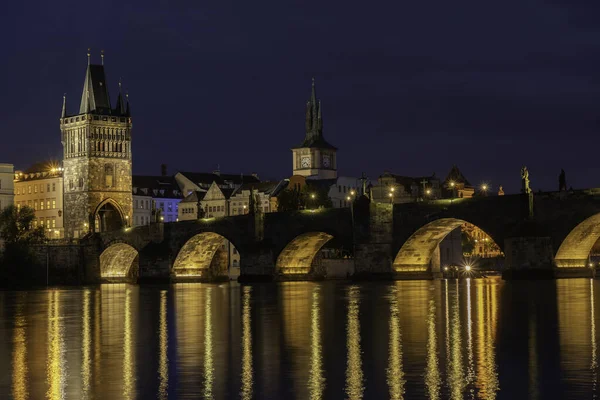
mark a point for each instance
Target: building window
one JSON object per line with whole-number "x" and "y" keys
{"x": 35, "y": 188}
{"x": 41, "y": 188}
{"x": 54, "y": 187}
{"x": 54, "y": 222}
{"x": 35, "y": 205}
{"x": 80, "y": 183}
{"x": 53, "y": 204}
{"x": 41, "y": 204}
{"x": 47, "y": 187}
{"x": 28, "y": 189}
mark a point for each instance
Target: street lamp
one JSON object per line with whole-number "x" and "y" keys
{"x": 484, "y": 188}
{"x": 244, "y": 209}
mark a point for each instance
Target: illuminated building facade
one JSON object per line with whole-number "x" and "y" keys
{"x": 7, "y": 192}
{"x": 405, "y": 189}
{"x": 96, "y": 158}
{"x": 483, "y": 245}
{"x": 41, "y": 188}
{"x": 457, "y": 186}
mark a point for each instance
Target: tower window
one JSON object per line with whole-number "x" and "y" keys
{"x": 108, "y": 175}
{"x": 80, "y": 183}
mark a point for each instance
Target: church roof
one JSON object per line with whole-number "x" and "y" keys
{"x": 456, "y": 176}
{"x": 207, "y": 178}
{"x": 314, "y": 124}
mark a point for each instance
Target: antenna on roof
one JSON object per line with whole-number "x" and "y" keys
{"x": 89, "y": 55}
{"x": 102, "y": 56}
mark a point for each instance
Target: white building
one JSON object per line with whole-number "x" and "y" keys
{"x": 7, "y": 189}
{"x": 151, "y": 193}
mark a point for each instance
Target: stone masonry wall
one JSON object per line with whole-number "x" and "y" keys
{"x": 374, "y": 255}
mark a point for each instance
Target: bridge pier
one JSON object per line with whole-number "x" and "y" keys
{"x": 528, "y": 257}
{"x": 257, "y": 265}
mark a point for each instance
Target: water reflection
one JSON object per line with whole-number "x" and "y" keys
{"x": 208, "y": 346}
{"x": 56, "y": 367}
{"x": 433, "y": 380}
{"x": 19, "y": 354}
{"x": 129, "y": 364}
{"x": 487, "y": 376}
{"x": 86, "y": 345}
{"x": 354, "y": 373}
{"x": 316, "y": 381}
{"x": 247, "y": 371}
{"x": 163, "y": 337}
{"x": 395, "y": 371}
{"x": 456, "y": 377}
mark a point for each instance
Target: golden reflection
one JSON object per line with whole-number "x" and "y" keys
{"x": 594, "y": 363}
{"x": 395, "y": 371}
{"x": 247, "y": 372}
{"x": 208, "y": 347}
{"x": 456, "y": 376}
{"x": 487, "y": 377}
{"x": 316, "y": 382}
{"x": 86, "y": 344}
{"x": 19, "y": 355}
{"x": 433, "y": 381}
{"x": 56, "y": 362}
{"x": 128, "y": 350}
{"x": 163, "y": 337}
{"x": 354, "y": 374}
{"x": 470, "y": 368}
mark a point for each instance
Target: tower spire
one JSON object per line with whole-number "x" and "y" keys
{"x": 102, "y": 56}
{"x": 64, "y": 107}
{"x": 127, "y": 111}
{"x": 89, "y": 55}
{"x": 120, "y": 103}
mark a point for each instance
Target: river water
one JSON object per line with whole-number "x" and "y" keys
{"x": 412, "y": 339}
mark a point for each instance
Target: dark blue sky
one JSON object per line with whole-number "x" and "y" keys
{"x": 410, "y": 87}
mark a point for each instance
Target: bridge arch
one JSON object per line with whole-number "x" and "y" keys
{"x": 575, "y": 248}
{"x": 119, "y": 261}
{"x": 204, "y": 255}
{"x": 298, "y": 255}
{"x": 417, "y": 251}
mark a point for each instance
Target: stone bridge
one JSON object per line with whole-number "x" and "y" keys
{"x": 397, "y": 241}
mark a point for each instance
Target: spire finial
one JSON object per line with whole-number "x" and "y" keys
{"x": 102, "y": 56}
{"x": 89, "y": 54}
{"x": 120, "y": 84}
{"x": 64, "y": 107}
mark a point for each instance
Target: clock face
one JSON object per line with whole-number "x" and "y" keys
{"x": 326, "y": 161}
{"x": 305, "y": 162}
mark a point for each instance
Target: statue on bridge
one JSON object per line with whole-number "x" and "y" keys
{"x": 562, "y": 181}
{"x": 525, "y": 181}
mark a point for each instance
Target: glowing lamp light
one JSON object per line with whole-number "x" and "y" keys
{"x": 391, "y": 194}
{"x": 392, "y": 190}
{"x": 352, "y": 193}
{"x": 428, "y": 191}
{"x": 484, "y": 187}
{"x": 591, "y": 265}
{"x": 348, "y": 198}
{"x": 467, "y": 268}
{"x": 452, "y": 183}
{"x": 312, "y": 196}
{"x": 162, "y": 218}
{"x": 445, "y": 268}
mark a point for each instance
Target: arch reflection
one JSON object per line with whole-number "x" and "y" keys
{"x": 247, "y": 370}
{"x": 316, "y": 381}
{"x": 354, "y": 373}
{"x": 395, "y": 371}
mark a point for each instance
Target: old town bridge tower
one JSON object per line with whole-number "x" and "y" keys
{"x": 96, "y": 159}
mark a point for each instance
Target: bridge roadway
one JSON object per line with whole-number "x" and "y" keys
{"x": 395, "y": 241}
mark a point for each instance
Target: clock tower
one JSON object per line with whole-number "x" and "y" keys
{"x": 314, "y": 156}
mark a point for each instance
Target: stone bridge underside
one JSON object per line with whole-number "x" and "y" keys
{"x": 298, "y": 255}
{"x": 119, "y": 261}
{"x": 416, "y": 253}
{"x": 576, "y": 247}
{"x": 201, "y": 257}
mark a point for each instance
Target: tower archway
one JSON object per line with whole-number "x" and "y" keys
{"x": 108, "y": 217}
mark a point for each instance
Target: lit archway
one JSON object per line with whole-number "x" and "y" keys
{"x": 298, "y": 255}
{"x": 417, "y": 252}
{"x": 576, "y": 247}
{"x": 205, "y": 255}
{"x": 119, "y": 262}
{"x": 108, "y": 217}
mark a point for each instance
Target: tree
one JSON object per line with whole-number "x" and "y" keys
{"x": 288, "y": 200}
{"x": 310, "y": 197}
{"x": 16, "y": 226}
{"x": 18, "y": 233}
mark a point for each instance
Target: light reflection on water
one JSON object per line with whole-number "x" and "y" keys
{"x": 480, "y": 339}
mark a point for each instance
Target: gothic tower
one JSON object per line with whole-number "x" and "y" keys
{"x": 315, "y": 157}
{"x": 96, "y": 159}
